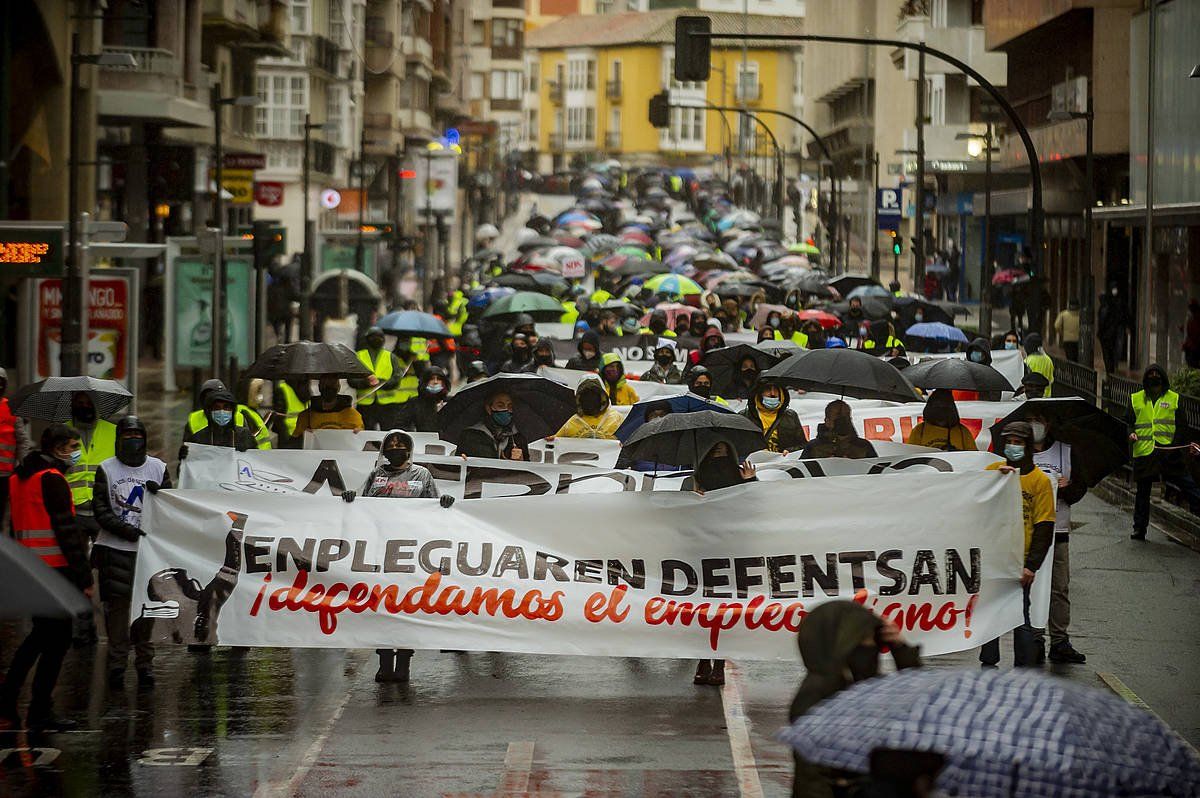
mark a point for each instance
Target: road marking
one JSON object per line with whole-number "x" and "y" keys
{"x": 268, "y": 790}
{"x": 518, "y": 761}
{"x": 1120, "y": 688}
{"x": 739, "y": 733}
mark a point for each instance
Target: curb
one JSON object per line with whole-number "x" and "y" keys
{"x": 1176, "y": 523}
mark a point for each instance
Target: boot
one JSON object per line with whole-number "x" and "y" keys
{"x": 703, "y": 671}
{"x": 717, "y": 677}
{"x": 403, "y": 658}
{"x": 387, "y": 665}
{"x": 1138, "y": 534}
{"x": 1065, "y": 653}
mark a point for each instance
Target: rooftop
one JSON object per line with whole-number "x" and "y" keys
{"x": 654, "y": 27}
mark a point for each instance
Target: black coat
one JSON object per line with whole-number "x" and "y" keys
{"x": 477, "y": 441}
{"x": 787, "y": 429}
{"x": 830, "y": 444}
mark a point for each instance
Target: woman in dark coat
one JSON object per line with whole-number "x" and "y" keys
{"x": 840, "y": 644}
{"x": 496, "y": 435}
{"x": 419, "y": 414}
{"x": 768, "y": 408}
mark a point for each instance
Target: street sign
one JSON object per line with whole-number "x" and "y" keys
{"x": 330, "y": 199}
{"x": 436, "y": 183}
{"x": 244, "y": 160}
{"x": 105, "y": 232}
{"x": 31, "y": 250}
{"x": 887, "y": 208}
{"x": 268, "y": 193}
{"x": 240, "y": 185}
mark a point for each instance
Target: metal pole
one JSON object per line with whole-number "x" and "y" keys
{"x": 71, "y": 357}
{"x": 1086, "y": 354}
{"x": 359, "y": 251}
{"x": 985, "y": 290}
{"x": 218, "y": 292}
{"x": 919, "y": 244}
{"x": 306, "y": 270}
{"x": 1144, "y": 303}
{"x": 5, "y": 103}
{"x": 874, "y": 231}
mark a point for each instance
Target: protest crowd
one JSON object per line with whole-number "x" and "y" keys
{"x": 652, "y": 343}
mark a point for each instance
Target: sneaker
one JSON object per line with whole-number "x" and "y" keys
{"x": 1066, "y": 653}
{"x": 145, "y": 677}
{"x": 116, "y": 678}
{"x": 50, "y": 723}
{"x": 1138, "y": 534}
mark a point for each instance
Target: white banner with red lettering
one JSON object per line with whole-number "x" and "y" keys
{"x": 656, "y": 574}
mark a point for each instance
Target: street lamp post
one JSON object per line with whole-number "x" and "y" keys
{"x": 306, "y": 265}
{"x": 73, "y": 305}
{"x": 1089, "y": 118}
{"x": 219, "y": 288}
{"x": 874, "y": 229}
{"x": 985, "y": 289}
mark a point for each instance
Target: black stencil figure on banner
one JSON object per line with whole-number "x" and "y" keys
{"x": 185, "y": 612}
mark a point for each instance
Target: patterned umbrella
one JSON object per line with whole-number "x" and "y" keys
{"x": 673, "y": 285}
{"x": 50, "y": 399}
{"x": 1003, "y": 733}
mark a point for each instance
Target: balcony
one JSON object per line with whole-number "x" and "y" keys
{"x": 152, "y": 90}
{"x": 556, "y": 141}
{"x": 379, "y": 122}
{"x": 257, "y": 25}
{"x": 520, "y": 4}
{"x": 612, "y": 90}
{"x": 500, "y": 104}
{"x": 324, "y": 56}
{"x": 964, "y": 43}
{"x": 378, "y": 36}
{"x": 556, "y": 91}
{"x": 612, "y": 140}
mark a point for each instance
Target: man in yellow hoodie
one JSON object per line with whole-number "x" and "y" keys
{"x": 594, "y": 416}
{"x": 612, "y": 370}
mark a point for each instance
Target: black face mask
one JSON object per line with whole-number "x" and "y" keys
{"x": 544, "y": 358}
{"x": 1154, "y": 385}
{"x": 749, "y": 375}
{"x": 84, "y": 415}
{"x": 397, "y": 457}
{"x": 702, "y": 390}
{"x": 328, "y": 394}
{"x": 842, "y": 425}
{"x": 591, "y": 403}
{"x": 131, "y": 451}
{"x": 374, "y": 343}
{"x": 664, "y": 359}
{"x": 863, "y": 662}
{"x": 717, "y": 472}
{"x": 520, "y": 355}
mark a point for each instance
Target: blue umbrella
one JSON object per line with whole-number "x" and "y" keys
{"x": 936, "y": 331}
{"x": 1003, "y": 733}
{"x": 414, "y": 322}
{"x": 680, "y": 403}
{"x": 489, "y": 295}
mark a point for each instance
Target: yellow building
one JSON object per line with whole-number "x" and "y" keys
{"x": 591, "y": 79}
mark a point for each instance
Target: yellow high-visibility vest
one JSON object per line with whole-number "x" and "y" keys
{"x": 382, "y": 369}
{"x": 1153, "y": 422}
{"x": 82, "y": 475}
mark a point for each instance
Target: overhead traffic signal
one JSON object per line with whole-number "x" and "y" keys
{"x": 660, "y": 110}
{"x": 693, "y": 53}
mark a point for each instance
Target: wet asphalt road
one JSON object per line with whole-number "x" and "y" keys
{"x": 274, "y": 722}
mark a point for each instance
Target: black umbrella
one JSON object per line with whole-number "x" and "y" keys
{"x": 874, "y": 307}
{"x": 307, "y": 360}
{"x": 1101, "y": 439}
{"x": 50, "y": 399}
{"x": 741, "y": 289}
{"x": 541, "y": 242}
{"x": 724, "y": 361}
{"x": 540, "y": 406}
{"x": 779, "y": 349}
{"x": 848, "y": 372}
{"x": 845, "y": 283}
{"x": 906, "y": 308}
{"x": 957, "y": 375}
{"x": 543, "y": 282}
{"x": 30, "y": 588}
{"x": 681, "y": 439}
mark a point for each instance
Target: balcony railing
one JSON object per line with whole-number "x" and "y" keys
{"x": 612, "y": 139}
{"x": 148, "y": 60}
{"x": 379, "y": 121}
{"x": 379, "y": 36}
{"x": 612, "y": 89}
{"x": 324, "y": 55}
{"x": 556, "y": 91}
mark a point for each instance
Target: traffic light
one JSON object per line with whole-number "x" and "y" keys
{"x": 660, "y": 110}
{"x": 266, "y": 244}
{"x": 897, "y": 243}
{"x": 693, "y": 53}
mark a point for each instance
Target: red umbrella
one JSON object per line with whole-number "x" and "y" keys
{"x": 828, "y": 321}
{"x": 1008, "y": 276}
{"x": 636, "y": 237}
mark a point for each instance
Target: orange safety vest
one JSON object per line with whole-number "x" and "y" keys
{"x": 8, "y": 439}
{"x": 30, "y": 520}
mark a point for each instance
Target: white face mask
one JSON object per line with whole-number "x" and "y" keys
{"x": 1039, "y": 431}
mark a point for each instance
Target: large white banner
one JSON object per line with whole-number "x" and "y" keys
{"x": 284, "y": 471}
{"x": 657, "y": 574}
{"x": 602, "y": 453}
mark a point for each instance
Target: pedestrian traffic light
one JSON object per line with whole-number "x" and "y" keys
{"x": 660, "y": 110}
{"x": 267, "y": 242}
{"x": 693, "y": 48}
{"x": 897, "y": 244}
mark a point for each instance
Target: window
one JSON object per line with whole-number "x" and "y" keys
{"x": 476, "y": 92}
{"x": 283, "y": 100}
{"x": 532, "y": 84}
{"x": 581, "y": 74}
{"x": 531, "y": 123}
{"x": 478, "y": 33}
{"x": 604, "y": 6}
{"x": 581, "y": 125}
{"x": 614, "y": 120}
{"x": 748, "y": 87}
{"x": 507, "y": 33}
{"x": 616, "y": 72}
{"x": 687, "y": 126}
{"x": 333, "y": 112}
{"x": 337, "y": 24}
{"x": 301, "y": 16}
{"x": 670, "y": 82}
{"x": 506, "y": 84}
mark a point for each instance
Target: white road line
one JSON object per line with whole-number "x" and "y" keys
{"x": 518, "y": 761}
{"x": 288, "y": 789}
{"x": 739, "y": 733}
{"x": 1120, "y": 688}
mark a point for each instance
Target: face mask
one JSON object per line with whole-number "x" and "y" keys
{"x": 749, "y": 375}
{"x": 434, "y": 388}
{"x": 520, "y": 355}
{"x": 222, "y": 417}
{"x": 976, "y": 357}
{"x": 1014, "y": 452}
{"x": 85, "y": 415}
{"x": 863, "y": 662}
{"x": 1154, "y": 384}
{"x": 131, "y": 450}
{"x": 920, "y": 317}
{"x": 772, "y": 402}
{"x": 502, "y": 418}
{"x": 590, "y": 404}
{"x": 664, "y": 359}
{"x": 73, "y": 457}
{"x": 702, "y": 390}
{"x": 773, "y": 322}
{"x": 374, "y": 343}
{"x": 1113, "y": 291}
{"x": 397, "y": 457}
{"x": 588, "y": 354}
{"x": 1010, "y": 345}
{"x": 1039, "y": 431}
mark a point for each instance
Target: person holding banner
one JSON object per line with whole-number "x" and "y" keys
{"x": 420, "y": 414}
{"x": 940, "y": 427}
{"x": 220, "y": 427}
{"x": 837, "y": 437}
{"x": 496, "y": 435}
{"x": 1037, "y": 510}
{"x": 594, "y": 418}
{"x": 768, "y": 408}
{"x": 396, "y": 476}
{"x": 329, "y": 409}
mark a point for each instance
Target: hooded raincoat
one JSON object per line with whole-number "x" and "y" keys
{"x": 602, "y": 424}
{"x": 619, "y": 392}
{"x": 405, "y": 480}
{"x": 781, "y": 427}
{"x": 581, "y": 363}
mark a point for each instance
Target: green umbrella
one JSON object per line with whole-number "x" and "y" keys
{"x": 804, "y": 248}
{"x": 540, "y": 306}
{"x": 673, "y": 284}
